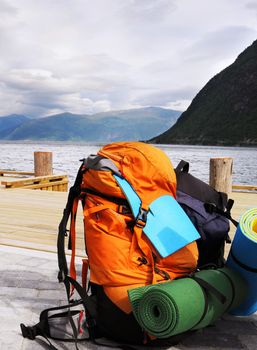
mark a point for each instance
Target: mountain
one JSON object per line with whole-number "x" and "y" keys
{"x": 10, "y": 122}
{"x": 224, "y": 112}
{"x": 133, "y": 124}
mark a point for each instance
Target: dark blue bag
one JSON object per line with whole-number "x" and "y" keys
{"x": 209, "y": 210}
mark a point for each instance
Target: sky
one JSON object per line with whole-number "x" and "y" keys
{"x": 90, "y": 56}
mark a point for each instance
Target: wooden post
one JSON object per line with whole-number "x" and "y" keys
{"x": 221, "y": 174}
{"x": 43, "y": 163}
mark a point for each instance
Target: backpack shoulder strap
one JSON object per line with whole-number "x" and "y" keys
{"x": 183, "y": 166}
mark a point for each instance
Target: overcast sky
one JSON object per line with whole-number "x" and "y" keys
{"x": 88, "y": 56}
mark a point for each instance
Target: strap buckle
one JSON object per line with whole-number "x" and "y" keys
{"x": 123, "y": 209}
{"x": 141, "y": 218}
{"x": 28, "y": 332}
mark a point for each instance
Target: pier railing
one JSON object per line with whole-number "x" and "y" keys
{"x": 45, "y": 183}
{"x": 14, "y": 173}
{"x": 220, "y": 176}
{"x": 41, "y": 179}
{"x": 244, "y": 188}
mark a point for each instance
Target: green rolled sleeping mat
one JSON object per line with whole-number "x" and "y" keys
{"x": 189, "y": 303}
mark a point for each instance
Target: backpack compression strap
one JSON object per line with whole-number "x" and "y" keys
{"x": 74, "y": 193}
{"x": 212, "y": 208}
{"x": 63, "y": 276}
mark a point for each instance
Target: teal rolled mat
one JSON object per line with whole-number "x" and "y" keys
{"x": 184, "y": 304}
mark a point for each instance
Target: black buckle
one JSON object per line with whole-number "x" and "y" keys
{"x": 230, "y": 204}
{"x": 61, "y": 276}
{"x": 141, "y": 218}
{"x": 210, "y": 208}
{"x": 28, "y": 332}
{"x": 124, "y": 209}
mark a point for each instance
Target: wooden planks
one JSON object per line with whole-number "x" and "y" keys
{"x": 30, "y": 218}
{"x": 244, "y": 188}
{"x": 15, "y": 173}
{"x": 47, "y": 183}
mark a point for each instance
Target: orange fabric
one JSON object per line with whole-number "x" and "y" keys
{"x": 147, "y": 168}
{"x": 115, "y": 253}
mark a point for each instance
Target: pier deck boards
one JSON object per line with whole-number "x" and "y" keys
{"x": 30, "y": 219}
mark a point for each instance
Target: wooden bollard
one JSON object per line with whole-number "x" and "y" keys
{"x": 221, "y": 174}
{"x": 43, "y": 163}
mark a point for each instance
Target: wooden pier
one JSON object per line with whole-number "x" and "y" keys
{"x": 44, "y": 183}
{"x": 41, "y": 178}
{"x": 30, "y": 218}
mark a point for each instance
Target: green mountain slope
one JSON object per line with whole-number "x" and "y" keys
{"x": 224, "y": 112}
{"x": 134, "y": 124}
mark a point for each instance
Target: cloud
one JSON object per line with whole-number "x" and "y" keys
{"x": 220, "y": 44}
{"x": 86, "y": 85}
{"x": 7, "y": 9}
{"x": 176, "y": 99}
{"x": 149, "y": 10}
{"x": 252, "y": 5}
{"x": 86, "y": 56}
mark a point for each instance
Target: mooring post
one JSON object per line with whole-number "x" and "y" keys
{"x": 43, "y": 163}
{"x": 221, "y": 174}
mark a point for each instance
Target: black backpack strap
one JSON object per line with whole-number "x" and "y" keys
{"x": 42, "y": 328}
{"x": 209, "y": 288}
{"x": 183, "y": 166}
{"x": 31, "y": 332}
{"x": 74, "y": 192}
{"x": 62, "y": 233}
{"x": 229, "y": 206}
{"x": 212, "y": 208}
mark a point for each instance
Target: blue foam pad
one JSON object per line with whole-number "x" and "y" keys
{"x": 168, "y": 227}
{"x": 243, "y": 258}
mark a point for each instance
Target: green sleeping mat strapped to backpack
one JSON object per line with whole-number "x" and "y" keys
{"x": 188, "y": 303}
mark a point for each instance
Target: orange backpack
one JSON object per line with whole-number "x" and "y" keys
{"x": 120, "y": 255}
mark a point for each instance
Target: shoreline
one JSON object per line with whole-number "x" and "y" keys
{"x": 101, "y": 143}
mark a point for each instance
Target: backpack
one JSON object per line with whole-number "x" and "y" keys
{"x": 210, "y": 212}
{"x": 127, "y": 191}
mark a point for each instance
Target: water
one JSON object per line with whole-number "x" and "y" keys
{"x": 20, "y": 156}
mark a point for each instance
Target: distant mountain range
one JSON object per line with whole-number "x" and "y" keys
{"x": 129, "y": 125}
{"x": 224, "y": 112}
{"x": 10, "y": 123}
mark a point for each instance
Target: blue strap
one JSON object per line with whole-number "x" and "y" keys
{"x": 132, "y": 197}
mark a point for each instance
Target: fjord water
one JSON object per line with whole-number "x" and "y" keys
{"x": 20, "y": 156}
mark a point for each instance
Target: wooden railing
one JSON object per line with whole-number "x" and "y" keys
{"x": 45, "y": 183}
{"x": 14, "y": 173}
{"x": 244, "y": 188}
{"x": 60, "y": 182}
